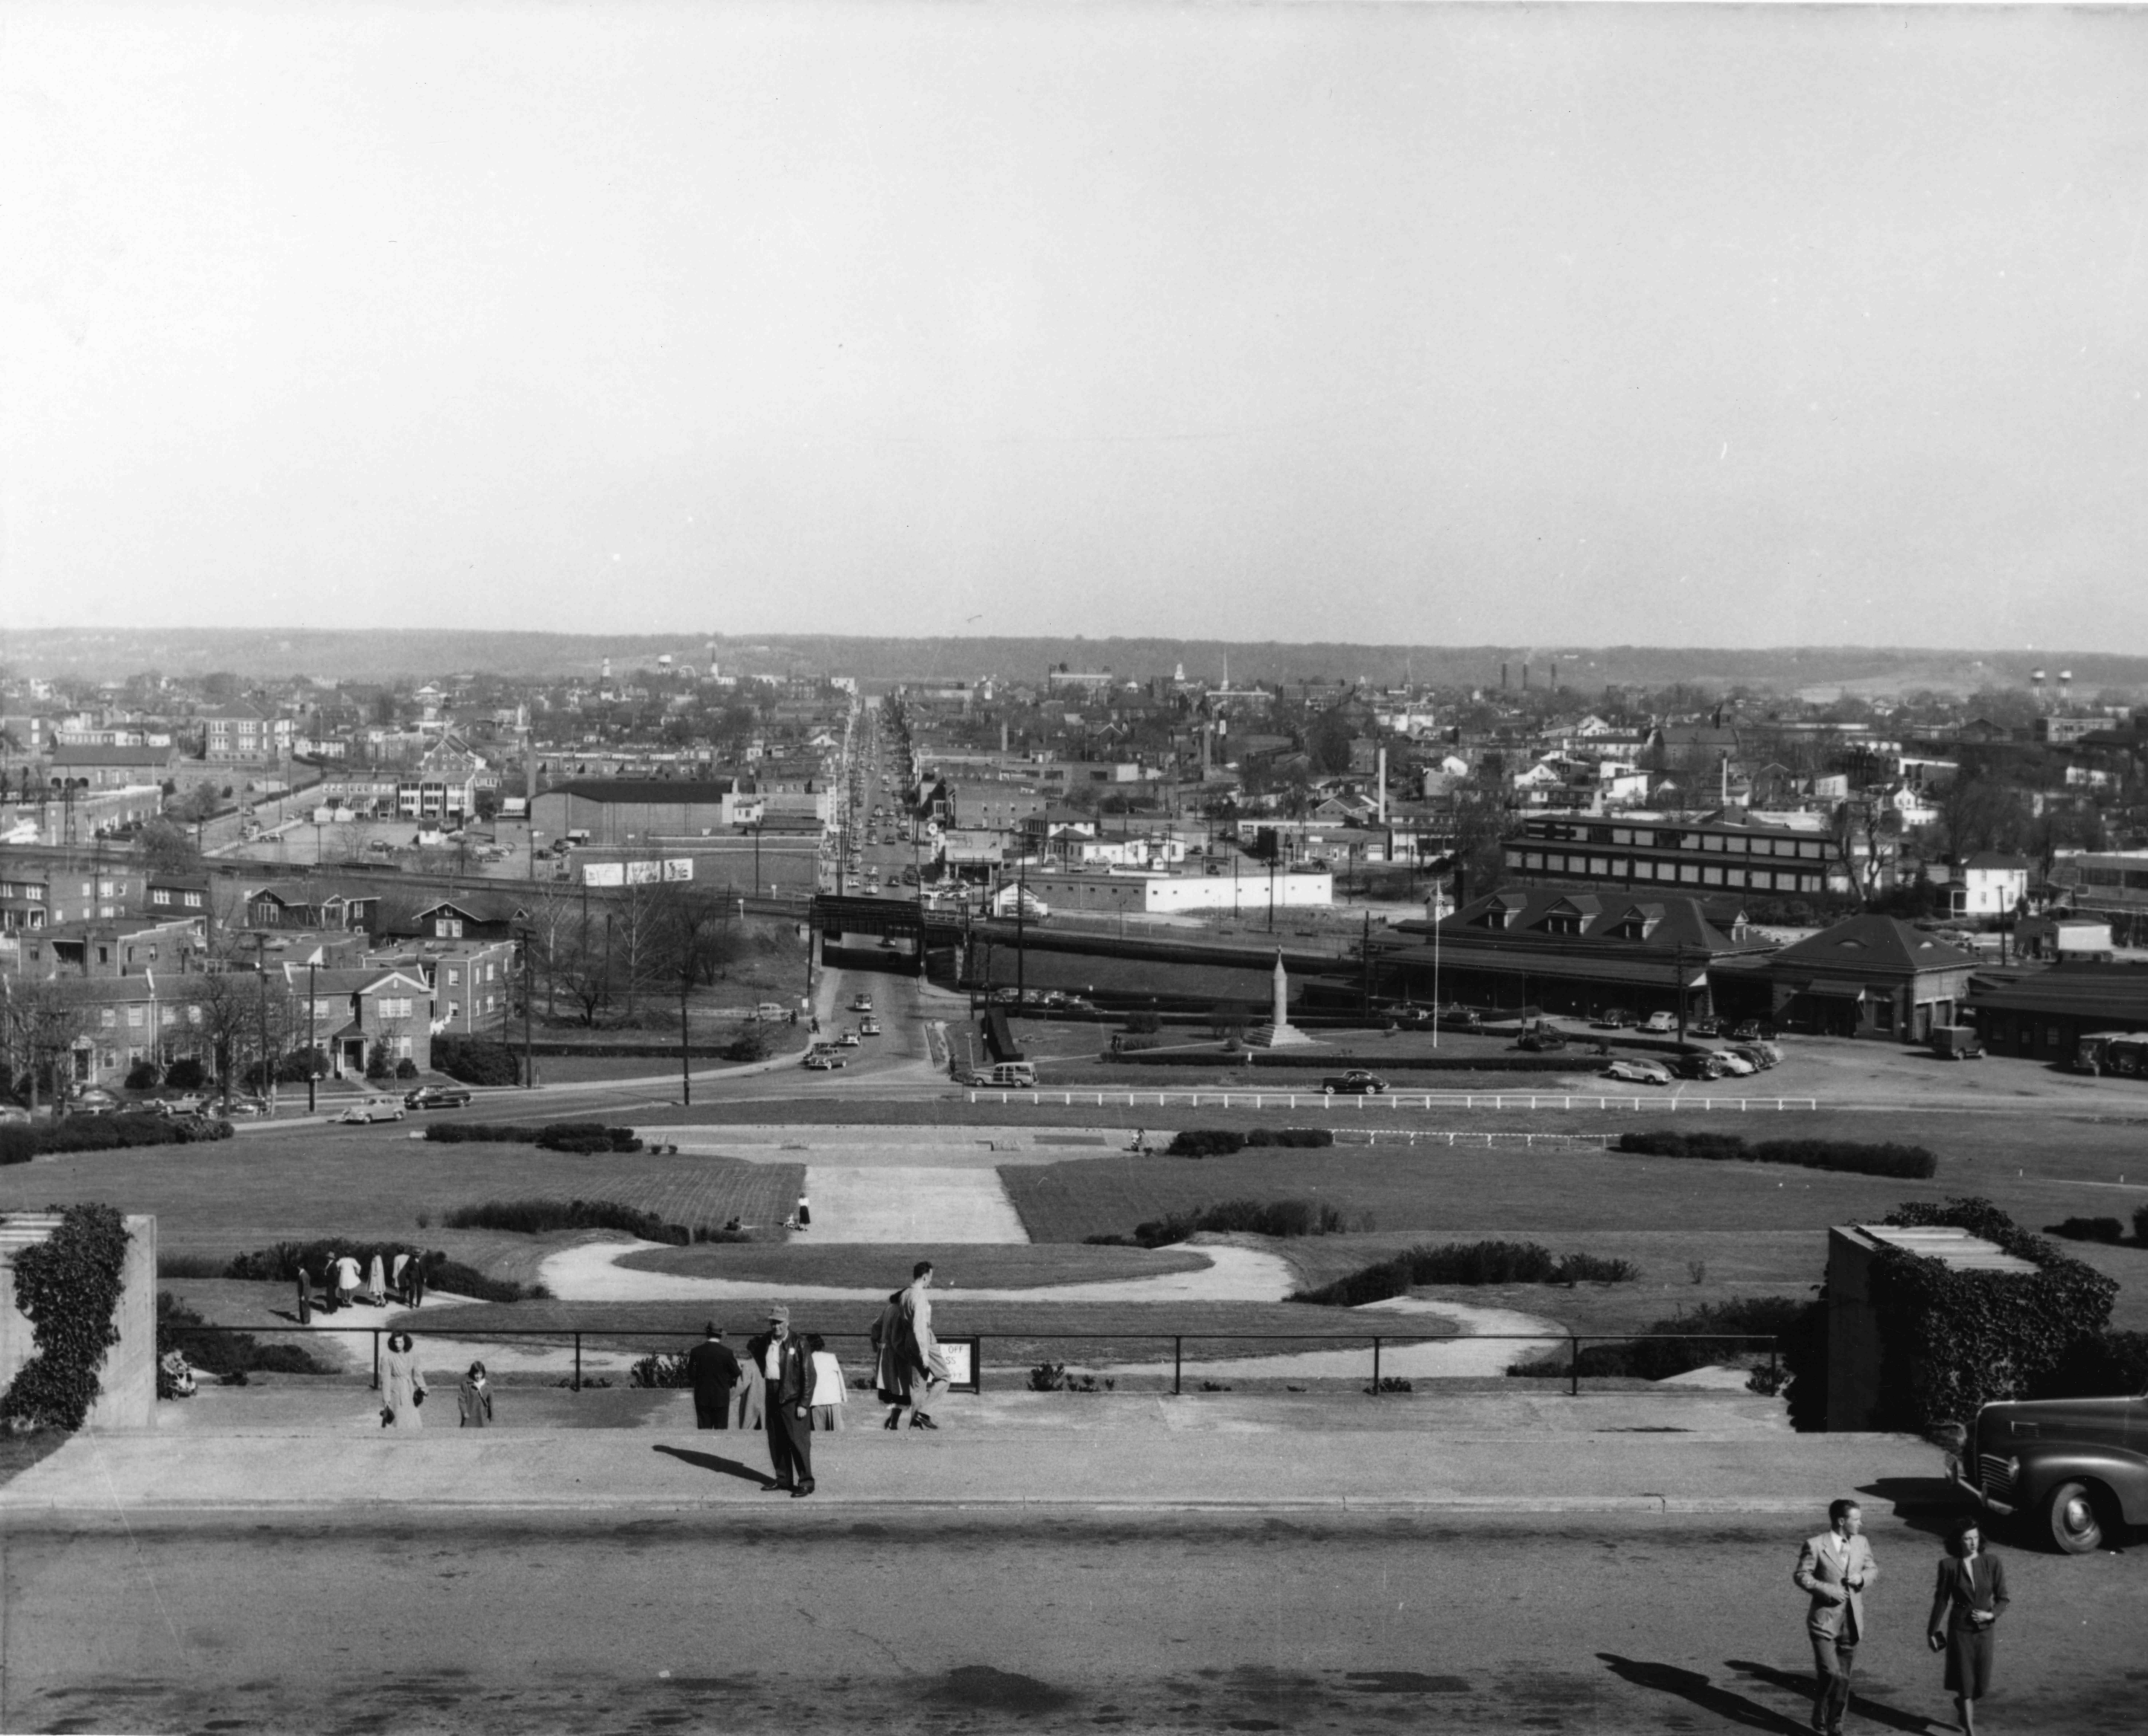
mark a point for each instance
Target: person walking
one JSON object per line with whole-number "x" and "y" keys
{"x": 713, "y": 1372}
{"x": 804, "y": 1212}
{"x": 346, "y": 1281}
{"x": 376, "y": 1283}
{"x": 1967, "y": 1602}
{"x": 785, "y": 1367}
{"x": 402, "y": 1384}
{"x": 415, "y": 1275}
{"x": 473, "y": 1399}
{"x": 892, "y": 1368}
{"x": 1835, "y": 1568}
{"x": 928, "y": 1366}
{"x": 305, "y": 1297}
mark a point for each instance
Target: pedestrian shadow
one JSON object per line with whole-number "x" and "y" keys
{"x": 1696, "y": 1689}
{"x": 1801, "y": 1685}
{"x": 721, "y": 1467}
{"x": 1929, "y": 1504}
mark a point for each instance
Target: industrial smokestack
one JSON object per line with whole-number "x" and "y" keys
{"x": 1380, "y": 762}
{"x": 1525, "y": 676}
{"x": 1503, "y": 678}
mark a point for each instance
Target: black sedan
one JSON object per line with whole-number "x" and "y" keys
{"x": 436, "y": 1097}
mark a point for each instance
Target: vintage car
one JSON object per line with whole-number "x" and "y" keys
{"x": 436, "y": 1097}
{"x": 1355, "y": 1083}
{"x": 373, "y": 1109}
{"x": 1612, "y": 1018}
{"x": 1638, "y": 1072}
{"x": 2072, "y": 1471}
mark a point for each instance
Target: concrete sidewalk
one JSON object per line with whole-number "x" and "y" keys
{"x": 1486, "y": 1454}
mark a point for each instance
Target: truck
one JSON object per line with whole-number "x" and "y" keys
{"x": 1956, "y": 1042}
{"x": 2122, "y": 1052}
{"x": 2070, "y": 1471}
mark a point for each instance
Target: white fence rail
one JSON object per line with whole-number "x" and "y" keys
{"x": 1393, "y": 1100}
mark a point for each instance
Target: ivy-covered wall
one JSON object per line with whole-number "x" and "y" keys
{"x": 77, "y": 1319}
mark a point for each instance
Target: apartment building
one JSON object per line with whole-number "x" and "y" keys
{"x": 245, "y": 733}
{"x": 1732, "y": 851}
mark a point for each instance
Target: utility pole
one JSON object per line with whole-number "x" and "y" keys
{"x": 261, "y": 997}
{"x": 1679, "y": 952}
{"x": 529, "y": 1067}
{"x": 1021, "y": 901}
{"x": 313, "y": 1032}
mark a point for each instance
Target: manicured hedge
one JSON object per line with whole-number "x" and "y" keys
{"x": 538, "y": 1217}
{"x": 582, "y": 1136}
{"x": 19, "y": 1144}
{"x": 1908, "y": 1163}
{"x": 2088, "y": 1229}
{"x": 1222, "y": 1141}
{"x": 1467, "y": 1262}
{"x": 1250, "y": 1217}
{"x": 1952, "y": 1340}
{"x": 476, "y": 1061}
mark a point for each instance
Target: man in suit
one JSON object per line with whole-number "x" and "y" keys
{"x": 1835, "y": 1568}
{"x": 713, "y": 1371}
{"x": 785, "y": 1367}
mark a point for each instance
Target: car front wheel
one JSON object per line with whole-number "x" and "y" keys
{"x": 2070, "y": 1519}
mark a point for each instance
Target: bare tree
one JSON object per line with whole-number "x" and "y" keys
{"x": 40, "y": 1022}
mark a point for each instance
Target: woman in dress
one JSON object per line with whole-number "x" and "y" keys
{"x": 473, "y": 1399}
{"x": 891, "y": 1360}
{"x": 376, "y": 1284}
{"x": 1967, "y": 1601}
{"x": 402, "y": 1384}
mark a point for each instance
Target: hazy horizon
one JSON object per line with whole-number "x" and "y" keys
{"x": 1756, "y": 327}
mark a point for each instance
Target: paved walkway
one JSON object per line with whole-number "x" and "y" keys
{"x": 1425, "y": 1359}
{"x": 910, "y": 1204}
{"x": 1621, "y": 1453}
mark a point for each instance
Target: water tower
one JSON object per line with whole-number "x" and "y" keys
{"x": 2065, "y": 684}
{"x": 2036, "y": 686}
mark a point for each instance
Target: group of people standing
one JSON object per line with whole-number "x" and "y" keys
{"x": 778, "y": 1394}
{"x": 346, "y": 1282}
{"x": 1837, "y": 1567}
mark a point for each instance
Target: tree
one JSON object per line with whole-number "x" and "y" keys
{"x": 40, "y": 1022}
{"x": 166, "y": 849}
{"x": 693, "y": 938}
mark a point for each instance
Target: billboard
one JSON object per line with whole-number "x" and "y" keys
{"x": 637, "y": 874}
{"x": 603, "y": 874}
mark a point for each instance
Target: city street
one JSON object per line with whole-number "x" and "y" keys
{"x": 897, "y": 1619}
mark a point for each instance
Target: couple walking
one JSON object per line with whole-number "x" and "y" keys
{"x": 906, "y": 1354}
{"x": 1836, "y": 1569}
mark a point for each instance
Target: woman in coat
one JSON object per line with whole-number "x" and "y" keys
{"x": 894, "y": 1366}
{"x": 1967, "y": 1602}
{"x": 402, "y": 1384}
{"x": 473, "y": 1399}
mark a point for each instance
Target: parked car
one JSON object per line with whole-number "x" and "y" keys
{"x": 1738, "y": 1066}
{"x": 242, "y": 1106}
{"x": 1638, "y": 1072}
{"x": 1661, "y": 1024}
{"x": 1753, "y": 1030}
{"x": 1700, "y": 1064}
{"x": 1762, "y": 1055}
{"x": 12, "y": 1112}
{"x": 1541, "y": 1037}
{"x": 189, "y": 1103}
{"x": 1612, "y": 1018}
{"x": 1707, "y": 1025}
{"x": 2070, "y": 1471}
{"x": 1355, "y": 1083}
{"x": 436, "y": 1097}
{"x": 771, "y": 1010}
{"x": 1956, "y": 1042}
{"x": 373, "y": 1109}
{"x": 93, "y": 1100}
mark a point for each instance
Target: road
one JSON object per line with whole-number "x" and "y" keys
{"x": 800, "y": 1618}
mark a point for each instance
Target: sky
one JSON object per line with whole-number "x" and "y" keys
{"x": 1727, "y": 326}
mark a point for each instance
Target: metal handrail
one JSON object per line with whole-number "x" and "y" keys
{"x": 1376, "y": 1341}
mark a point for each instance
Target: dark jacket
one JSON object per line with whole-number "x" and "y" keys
{"x": 1978, "y": 1583}
{"x": 714, "y": 1369}
{"x": 796, "y": 1385}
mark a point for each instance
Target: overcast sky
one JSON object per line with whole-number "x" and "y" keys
{"x": 1682, "y": 326}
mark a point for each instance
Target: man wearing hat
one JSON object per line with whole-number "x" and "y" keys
{"x": 785, "y": 1367}
{"x": 713, "y": 1371}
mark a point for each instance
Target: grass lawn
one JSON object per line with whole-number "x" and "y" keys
{"x": 969, "y": 1265}
{"x": 244, "y": 1193}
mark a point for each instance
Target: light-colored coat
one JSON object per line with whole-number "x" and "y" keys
{"x": 1826, "y": 1565}
{"x": 400, "y": 1383}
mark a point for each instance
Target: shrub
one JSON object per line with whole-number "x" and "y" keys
{"x": 406, "y": 1068}
{"x": 2111, "y": 1365}
{"x": 2088, "y": 1229}
{"x": 1053, "y": 1378}
{"x": 579, "y": 1137}
{"x": 1911, "y": 1163}
{"x": 186, "y": 1075}
{"x": 752, "y": 1043}
{"x": 1952, "y": 1341}
{"x": 474, "y": 1061}
{"x": 660, "y": 1371}
{"x": 143, "y": 1075}
{"x": 2140, "y": 1224}
{"x": 225, "y": 1355}
{"x": 1466, "y": 1262}
{"x": 537, "y": 1218}
{"x": 1306, "y": 1137}
{"x": 1144, "y": 1024}
{"x": 1664, "y": 1350}
{"x": 173, "y": 1264}
{"x": 1249, "y": 1218}
{"x": 19, "y": 1143}
{"x": 1204, "y": 1142}
{"x": 377, "y": 1062}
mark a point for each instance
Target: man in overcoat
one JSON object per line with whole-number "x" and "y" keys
{"x": 785, "y": 1366}
{"x": 713, "y": 1372}
{"x": 1835, "y": 1570}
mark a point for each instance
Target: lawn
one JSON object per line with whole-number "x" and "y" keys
{"x": 978, "y": 1265}
{"x": 246, "y": 1192}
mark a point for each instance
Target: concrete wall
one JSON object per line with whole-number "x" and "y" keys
{"x": 1852, "y": 1332}
{"x": 128, "y": 1377}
